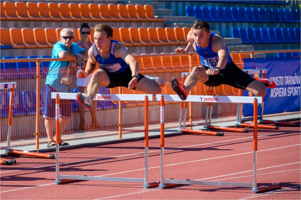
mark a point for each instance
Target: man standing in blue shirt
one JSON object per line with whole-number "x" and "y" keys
{"x": 67, "y": 49}
{"x": 217, "y": 66}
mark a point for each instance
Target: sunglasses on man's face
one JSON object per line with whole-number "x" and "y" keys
{"x": 68, "y": 37}
{"x": 84, "y": 33}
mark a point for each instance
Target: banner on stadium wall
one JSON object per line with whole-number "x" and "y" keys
{"x": 286, "y": 74}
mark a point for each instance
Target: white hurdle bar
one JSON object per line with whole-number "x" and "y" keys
{"x": 103, "y": 97}
{"x": 9, "y": 86}
{"x": 212, "y": 99}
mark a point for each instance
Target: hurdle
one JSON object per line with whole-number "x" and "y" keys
{"x": 102, "y": 97}
{"x": 12, "y": 86}
{"x": 213, "y": 99}
{"x": 207, "y": 123}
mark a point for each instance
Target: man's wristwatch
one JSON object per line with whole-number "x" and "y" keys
{"x": 135, "y": 76}
{"x": 219, "y": 69}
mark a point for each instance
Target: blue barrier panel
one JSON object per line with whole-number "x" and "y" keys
{"x": 286, "y": 74}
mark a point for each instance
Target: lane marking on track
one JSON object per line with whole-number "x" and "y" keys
{"x": 183, "y": 163}
{"x": 27, "y": 187}
{"x": 91, "y": 160}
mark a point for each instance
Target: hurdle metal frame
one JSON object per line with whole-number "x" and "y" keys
{"x": 102, "y": 97}
{"x": 207, "y": 123}
{"x": 9, "y": 86}
{"x": 212, "y": 99}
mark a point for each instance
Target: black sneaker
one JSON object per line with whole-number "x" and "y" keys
{"x": 178, "y": 88}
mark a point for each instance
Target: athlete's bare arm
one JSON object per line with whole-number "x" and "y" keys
{"x": 90, "y": 66}
{"x": 190, "y": 44}
{"x": 122, "y": 52}
{"x": 219, "y": 46}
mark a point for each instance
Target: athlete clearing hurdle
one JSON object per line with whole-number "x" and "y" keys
{"x": 217, "y": 67}
{"x": 117, "y": 67}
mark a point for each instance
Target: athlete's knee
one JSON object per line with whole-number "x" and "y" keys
{"x": 199, "y": 72}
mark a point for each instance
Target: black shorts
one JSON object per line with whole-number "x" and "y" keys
{"x": 121, "y": 79}
{"x": 230, "y": 75}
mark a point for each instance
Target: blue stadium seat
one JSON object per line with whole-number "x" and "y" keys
{"x": 285, "y": 35}
{"x": 288, "y": 54}
{"x": 298, "y": 14}
{"x": 295, "y": 54}
{"x": 297, "y": 33}
{"x": 269, "y": 15}
{"x": 272, "y": 35}
{"x": 206, "y": 14}
{"x": 33, "y": 66}
{"x": 189, "y": 11}
{"x": 264, "y": 35}
{"x": 229, "y": 15}
{"x": 29, "y": 101}
{"x": 275, "y": 14}
{"x": 10, "y": 69}
{"x": 221, "y": 14}
{"x": 235, "y": 33}
{"x": 198, "y": 13}
{"x": 294, "y": 15}
{"x": 45, "y": 66}
{"x": 18, "y": 108}
{"x": 288, "y": 15}
{"x": 258, "y": 36}
{"x": 281, "y": 55}
{"x": 292, "y": 35}
{"x": 251, "y": 35}
{"x": 243, "y": 14}
{"x": 256, "y": 14}
{"x": 243, "y": 35}
{"x": 42, "y": 100}
{"x": 23, "y": 68}
{"x": 74, "y": 102}
{"x": 214, "y": 13}
{"x": 236, "y": 14}
{"x": 3, "y": 104}
{"x": 278, "y": 34}
{"x": 281, "y": 13}
{"x": 249, "y": 15}
{"x": 263, "y": 14}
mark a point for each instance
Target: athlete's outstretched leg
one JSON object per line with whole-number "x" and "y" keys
{"x": 198, "y": 74}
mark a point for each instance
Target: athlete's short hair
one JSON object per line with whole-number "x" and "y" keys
{"x": 105, "y": 28}
{"x": 198, "y": 24}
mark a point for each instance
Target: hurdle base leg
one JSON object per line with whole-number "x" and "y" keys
{"x": 258, "y": 125}
{"x": 202, "y": 132}
{"x": 278, "y": 123}
{"x": 266, "y": 188}
{"x": 27, "y": 153}
{"x": 241, "y": 130}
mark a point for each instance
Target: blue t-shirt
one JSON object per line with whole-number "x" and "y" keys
{"x": 111, "y": 64}
{"x": 208, "y": 57}
{"x": 57, "y": 68}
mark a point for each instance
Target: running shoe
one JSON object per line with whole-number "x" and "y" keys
{"x": 158, "y": 80}
{"x": 267, "y": 82}
{"x": 178, "y": 88}
{"x": 84, "y": 99}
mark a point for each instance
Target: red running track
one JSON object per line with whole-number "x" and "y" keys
{"x": 195, "y": 157}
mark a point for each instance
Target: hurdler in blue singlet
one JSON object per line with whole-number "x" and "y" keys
{"x": 111, "y": 64}
{"x": 208, "y": 57}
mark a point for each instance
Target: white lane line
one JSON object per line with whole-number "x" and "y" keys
{"x": 132, "y": 193}
{"x": 224, "y": 141}
{"x": 27, "y": 187}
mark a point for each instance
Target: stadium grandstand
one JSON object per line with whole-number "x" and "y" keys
{"x": 259, "y": 34}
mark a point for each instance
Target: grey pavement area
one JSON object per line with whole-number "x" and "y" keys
{"x": 221, "y": 121}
